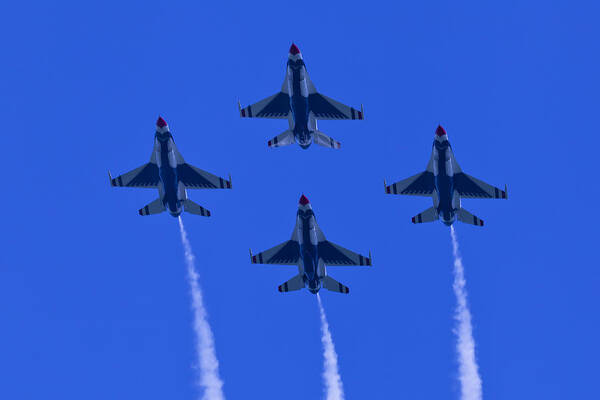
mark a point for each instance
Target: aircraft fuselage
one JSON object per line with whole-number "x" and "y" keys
{"x": 169, "y": 188}
{"x": 445, "y": 199}
{"x": 301, "y": 123}
{"x": 312, "y": 271}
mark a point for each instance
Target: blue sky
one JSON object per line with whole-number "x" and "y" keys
{"x": 93, "y": 297}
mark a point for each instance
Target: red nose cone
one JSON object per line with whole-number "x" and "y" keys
{"x": 161, "y": 122}
{"x": 303, "y": 200}
{"x": 294, "y": 50}
{"x": 440, "y": 131}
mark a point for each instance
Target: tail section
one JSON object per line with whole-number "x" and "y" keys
{"x": 193, "y": 208}
{"x": 331, "y": 284}
{"x": 464, "y": 216}
{"x": 296, "y": 283}
{"x": 156, "y": 207}
{"x": 286, "y": 138}
{"x": 428, "y": 215}
{"x": 323, "y": 140}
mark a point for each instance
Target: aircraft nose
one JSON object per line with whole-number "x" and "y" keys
{"x": 160, "y": 122}
{"x": 303, "y": 200}
{"x": 440, "y": 131}
{"x": 294, "y": 50}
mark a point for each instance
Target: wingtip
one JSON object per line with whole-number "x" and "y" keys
{"x": 251, "y": 256}
{"x": 230, "y": 182}
{"x": 110, "y": 178}
{"x": 384, "y": 186}
{"x": 362, "y": 111}
{"x": 506, "y": 190}
{"x": 370, "y": 259}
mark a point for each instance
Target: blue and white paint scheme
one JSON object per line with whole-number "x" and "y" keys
{"x": 301, "y": 104}
{"x": 445, "y": 182}
{"x": 311, "y": 252}
{"x": 168, "y": 172}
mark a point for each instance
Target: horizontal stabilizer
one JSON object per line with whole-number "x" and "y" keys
{"x": 296, "y": 283}
{"x": 428, "y": 215}
{"x": 193, "y": 208}
{"x": 468, "y": 218}
{"x": 331, "y": 284}
{"x": 323, "y": 140}
{"x": 286, "y": 138}
{"x": 156, "y": 207}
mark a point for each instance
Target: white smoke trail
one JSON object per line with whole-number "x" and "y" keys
{"x": 205, "y": 344}
{"x": 470, "y": 381}
{"x": 331, "y": 375}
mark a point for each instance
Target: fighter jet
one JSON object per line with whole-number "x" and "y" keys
{"x": 447, "y": 184}
{"x": 310, "y": 251}
{"x": 301, "y": 104}
{"x": 171, "y": 175}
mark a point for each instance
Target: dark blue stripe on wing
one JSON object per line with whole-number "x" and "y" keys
{"x": 288, "y": 254}
{"x": 147, "y": 177}
{"x": 324, "y": 109}
{"x": 466, "y": 187}
{"x": 192, "y": 179}
{"x": 424, "y": 184}
{"x": 333, "y": 256}
{"x": 278, "y": 107}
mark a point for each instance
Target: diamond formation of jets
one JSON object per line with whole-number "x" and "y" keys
{"x": 444, "y": 181}
{"x": 311, "y": 252}
{"x": 301, "y": 104}
{"x": 171, "y": 175}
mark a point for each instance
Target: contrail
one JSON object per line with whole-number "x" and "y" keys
{"x": 470, "y": 381}
{"x": 331, "y": 375}
{"x": 205, "y": 344}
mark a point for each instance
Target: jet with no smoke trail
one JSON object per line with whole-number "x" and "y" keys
{"x": 311, "y": 252}
{"x": 444, "y": 181}
{"x": 168, "y": 172}
{"x": 301, "y": 104}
